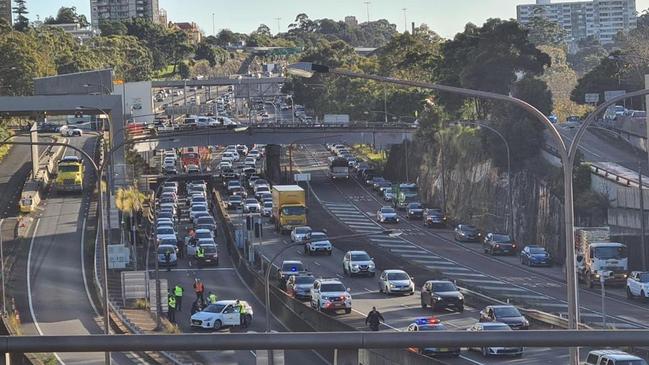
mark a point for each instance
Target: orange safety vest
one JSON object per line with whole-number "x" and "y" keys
{"x": 199, "y": 287}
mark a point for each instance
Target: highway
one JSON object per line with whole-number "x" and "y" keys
{"x": 223, "y": 281}
{"x": 54, "y": 298}
{"x": 16, "y": 166}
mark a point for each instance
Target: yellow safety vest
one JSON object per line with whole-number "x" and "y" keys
{"x": 212, "y": 298}
{"x": 178, "y": 291}
{"x": 172, "y": 302}
{"x": 200, "y": 253}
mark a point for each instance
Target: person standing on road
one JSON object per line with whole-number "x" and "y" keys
{"x": 171, "y": 304}
{"x": 211, "y": 298}
{"x": 178, "y": 292}
{"x": 242, "y": 314}
{"x": 196, "y": 307}
{"x": 168, "y": 259}
{"x": 374, "y": 318}
{"x": 181, "y": 249}
{"x": 199, "y": 288}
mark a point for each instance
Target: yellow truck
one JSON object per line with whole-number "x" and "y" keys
{"x": 69, "y": 176}
{"x": 289, "y": 207}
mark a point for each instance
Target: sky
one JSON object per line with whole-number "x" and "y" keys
{"x": 446, "y": 17}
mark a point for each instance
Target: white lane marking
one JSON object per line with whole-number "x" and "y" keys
{"x": 83, "y": 268}
{"x": 316, "y": 262}
{"x": 419, "y": 256}
{"x": 379, "y": 239}
{"x": 409, "y": 250}
{"x": 502, "y": 288}
{"x": 360, "y": 223}
{"x": 484, "y": 281}
{"x": 474, "y": 275}
{"x": 29, "y": 287}
{"x": 524, "y": 296}
{"x": 471, "y": 360}
{"x": 434, "y": 262}
{"x": 447, "y": 268}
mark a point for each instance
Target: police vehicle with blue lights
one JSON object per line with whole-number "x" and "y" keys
{"x": 432, "y": 324}
{"x": 288, "y": 268}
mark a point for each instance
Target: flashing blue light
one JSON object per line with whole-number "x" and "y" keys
{"x": 426, "y": 320}
{"x": 293, "y": 269}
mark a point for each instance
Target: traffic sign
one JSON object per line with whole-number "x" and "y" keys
{"x": 302, "y": 177}
{"x": 591, "y": 98}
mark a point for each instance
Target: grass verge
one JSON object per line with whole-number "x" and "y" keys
{"x": 378, "y": 158}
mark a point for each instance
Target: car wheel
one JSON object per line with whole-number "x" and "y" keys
{"x": 247, "y": 320}
{"x": 217, "y": 325}
{"x": 460, "y": 308}
{"x": 643, "y": 295}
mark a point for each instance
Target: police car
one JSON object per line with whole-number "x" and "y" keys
{"x": 432, "y": 324}
{"x": 221, "y": 314}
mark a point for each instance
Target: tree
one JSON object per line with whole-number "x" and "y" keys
{"x": 588, "y": 56}
{"x": 21, "y": 62}
{"x": 543, "y": 31}
{"x": 263, "y": 29}
{"x": 226, "y": 37}
{"x": 126, "y": 55}
{"x": 68, "y": 15}
{"x": 205, "y": 52}
{"x": 184, "y": 71}
{"x": 108, "y": 28}
{"x": 605, "y": 76}
{"x": 21, "y": 23}
{"x": 177, "y": 47}
{"x": 488, "y": 58}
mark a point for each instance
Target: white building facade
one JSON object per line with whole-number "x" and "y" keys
{"x": 115, "y": 10}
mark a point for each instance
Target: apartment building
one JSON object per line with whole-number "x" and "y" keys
{"x": 115, "y": 10}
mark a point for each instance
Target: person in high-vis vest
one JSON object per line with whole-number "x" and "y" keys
{"x": 178, "y": 293}
{"x": 211, "y": 298}
{"x": 199, "y": 288}
{"x": 171, "y": 313}
{"x": 200, "y": 253}
{"x": 242, "y": 314}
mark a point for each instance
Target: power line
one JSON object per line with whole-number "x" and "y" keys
{"x": 367, "y": 5}
{"x": 405, "y": 20}
{"x": 278, "y": 24}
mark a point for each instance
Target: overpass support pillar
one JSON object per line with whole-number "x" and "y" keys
{"x": 273, "y": 163}
{"x": 33, "y": 134}
{"x": 346, "y": 357}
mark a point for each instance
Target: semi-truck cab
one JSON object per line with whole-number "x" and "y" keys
{"x": 69, "y": 174}
{"x": 405, "y": 194}
{"x": 289, "y": 207}
{"x": 597, "y": 257}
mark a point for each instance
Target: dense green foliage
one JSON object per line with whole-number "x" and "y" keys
{"x": 67, "y": 15}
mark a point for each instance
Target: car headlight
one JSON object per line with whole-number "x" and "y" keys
{"x": 460, "y": 297}
{"x": 391, "y": 285}
{"x": 355, "y": 266}
{"x": 436, "y": 297}
{"x": 371, "y": 265}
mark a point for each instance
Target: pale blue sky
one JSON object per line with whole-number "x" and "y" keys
{"x": 446, "y": 17}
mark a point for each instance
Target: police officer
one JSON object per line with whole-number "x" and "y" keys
{"x": 171, "y": 302}
{"x": 242, "y": 314}
{"x": 211, "y": 298}
{"x": 374, "y": 318}
{"x": 178, "y": 292}
{"x": 200, "y": 255}
{"x": 168, "y": 259}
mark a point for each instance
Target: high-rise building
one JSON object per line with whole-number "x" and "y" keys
{"x": 114, "y": 10}
{"x": 599, "y": 18}
{"x": 5, "y": 11}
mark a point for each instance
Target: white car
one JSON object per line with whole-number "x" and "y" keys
{"x": 221, "y": 314}
{"x": 330, "y": 295}
{"x": 70, "y": 132}
{"x": 358, "y": 263}
{"x": 225, "y": 165}
{"x": 299, "y": 234}
{"x": 261, "y": 190}
{"x": 251, "y": 205}
{"x": 173, "y": 258}
{"x": 318, "y": 242}
{"x": 197, "y": 208}
{"x": 637, "y": 285}
{"x": 387, "y": 214}
{"x": 267, "y": 209}
{"x": 396, "y": 281}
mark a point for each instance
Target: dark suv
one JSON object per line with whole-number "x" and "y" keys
{"x": 496, "y": 243}
{"x": 414, "y": 211}
{"x": 434, "y": 217}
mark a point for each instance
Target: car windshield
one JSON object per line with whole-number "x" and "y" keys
{"x": 203, "y": 234}
{"x": 630, "y": 362}
{"x": 235, "y": 198}
{"x": 360, "y": 257}
{"x": 168, "y": 241}
{"x": 387, "y": 210}
{"x": 164, "y": 249}
{"x": 443, "y": 287}
{"x": 302, "y": 230}
{"x": 214, "y": 308}
{"x": 68, "y": 168}
{"x": 501, "y": 238}
{"x": 414, "y": 206}
{"x": 644, "y": 277}
{"x": 398, "y": 276}
{"x": 199, "y": 208}
{"x": 293, "y": 266}
{"x": 317, "y": 236}
{"x": 304, "y": 279}
{"x": 205, "y": 220}
{"x": 537, "y": 250}
{"x": 268, "y": 204}
{"x": 468, "y": 228}
{"x": 209, "y": 248}
{"x": 330, "y": 287}
{"x": 293, "y": 211}
{"x": 608, "y": 253}
{"x": 506, "y": 312}
{"x": 165, "y": 230}
{"x": 434, "y": 212}
{"x": 251, "y": 201}
{"x": 497, "y": 327}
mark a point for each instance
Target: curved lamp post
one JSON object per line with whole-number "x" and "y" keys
{"x": 567, "y": 154}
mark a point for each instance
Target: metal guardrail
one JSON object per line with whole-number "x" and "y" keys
{"x": 601, "y": 171}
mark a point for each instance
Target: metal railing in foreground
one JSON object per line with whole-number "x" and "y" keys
{"x": 322, "y": 340}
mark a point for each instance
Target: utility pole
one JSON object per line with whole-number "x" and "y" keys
{"x": 385, "y": 105}
{"x": 405, "y": 20}
{"x": 213, "y": 26}
{"x": 642, "y": 221}
{"x": 278, "y": 24}
{"x": 367, "y": 5}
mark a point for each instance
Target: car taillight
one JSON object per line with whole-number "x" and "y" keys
{"x": 513, "y": 245}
